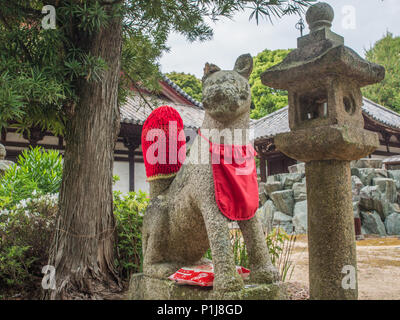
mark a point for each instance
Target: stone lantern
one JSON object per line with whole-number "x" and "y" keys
{"x": 323, "y": 78}
{"x": 4, "y": 164}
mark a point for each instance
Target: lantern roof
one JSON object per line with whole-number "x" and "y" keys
{"x": 321, "y": 53}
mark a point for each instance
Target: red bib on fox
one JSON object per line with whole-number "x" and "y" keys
{"x": 235, "y": 180}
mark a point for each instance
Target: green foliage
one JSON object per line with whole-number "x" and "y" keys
{"x": 280, "y": 246}
{"x": 42, "y": 70}
{"x": 239, "y": 249}
{"x": 188, "y": 82}
{"x": 129, "y": 210}
{"x": 26, "y": 230}
{"x": 386, "y": 52}
{"x": 266, "y": 99}
{"x": 36, "y": 172}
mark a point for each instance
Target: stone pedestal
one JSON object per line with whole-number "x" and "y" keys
{"x": 327, "y": 152}
{"x": 142, "y": 287}
{"x": 331, "y": 237}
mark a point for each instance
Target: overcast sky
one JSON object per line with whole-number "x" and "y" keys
{"x": 361, "y": 22}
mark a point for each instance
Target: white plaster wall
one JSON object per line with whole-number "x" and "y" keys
{"x": 121, "y": 169}
{"x": 140, "y": 178}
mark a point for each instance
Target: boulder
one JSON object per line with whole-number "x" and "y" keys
{"x": 366, "y": 175}
{"x": 284, "y": 201}
{"x": 300, "y": 217}
{"x": 297, "y": 168}
{"x": 288, "y": 179}
{"x": 261, "y": 186}
{"x": 262, "y": 198}
{"x": 299, "y": 191}
{"x": 394, "y": 207}
{"x": 372, "y": 224}
{"x": 266, "y": 215}
{"x": 356, "y": 186}
{"x": 283, "y": 221}
{"x": 4, "y": 164}
{"x": 392, "y": 224}
{"x": 356, "y": 209}
{"x": 270, "y": 187}
{"x": 387, "y": 187}
{"x": 395, "y": 175}
{"x": 273, "y": 178}
{"x": 371, "y": 199}
{"x": 367, "y": 163}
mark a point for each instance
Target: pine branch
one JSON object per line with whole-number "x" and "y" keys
{"x": 21, "y": 43}
{"x": 138, "y": 90}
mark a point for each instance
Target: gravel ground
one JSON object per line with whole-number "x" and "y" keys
{"x": 378, "y": 262}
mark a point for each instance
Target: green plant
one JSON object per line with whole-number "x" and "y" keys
{"x": 239, "y": 249}
{"x": 14, "y": 265}
{"x": 36, "y": 172}
{"x": 129, "y": 210}
{"x": 280, "y": 246}
{"x": 25, "y": 233}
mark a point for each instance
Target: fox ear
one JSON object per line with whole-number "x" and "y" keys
{"x": 210, "y": 69}
{"x": 244, "y": 65}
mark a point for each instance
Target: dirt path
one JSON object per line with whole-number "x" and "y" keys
{"x": 378, "y": 261}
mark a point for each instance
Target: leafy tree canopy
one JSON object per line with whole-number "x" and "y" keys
{"x": 41, "y": 70}
{"x": 386, "y": 52}
{"x": 188, "y": 82}
{"x": 266, "y": 99}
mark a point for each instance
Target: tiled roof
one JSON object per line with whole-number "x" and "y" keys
{"x": 381, "y": 114}
{"x": 278, "y": 121}
{"x": 392, "y": 159}
{"x": 271, "y": 124}
{"x": 136, "y": 110}
{"x": 182, "y": 93}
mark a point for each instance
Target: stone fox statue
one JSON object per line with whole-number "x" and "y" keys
{"x": 183, "y": 219}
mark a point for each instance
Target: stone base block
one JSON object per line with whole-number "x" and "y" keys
{"x": 142, "y": 287}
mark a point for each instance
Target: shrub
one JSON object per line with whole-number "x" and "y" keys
{"x": 129, "y": 210}
{"x": 36, "y": 171}
{"x": 27, "y": 229}
{"x": 25, "y": 234}
{"x": 28, "y": 209}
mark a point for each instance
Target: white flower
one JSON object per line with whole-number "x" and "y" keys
{"x": 34, "y": 193}
{"x": 23, "y": 203}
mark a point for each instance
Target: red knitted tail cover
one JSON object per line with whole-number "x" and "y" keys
{"x": 163, "y": 143}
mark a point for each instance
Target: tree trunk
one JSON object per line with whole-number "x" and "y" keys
{"x": 83, "y": 250}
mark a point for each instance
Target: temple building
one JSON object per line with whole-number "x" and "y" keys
{"x": 376, "y": 118}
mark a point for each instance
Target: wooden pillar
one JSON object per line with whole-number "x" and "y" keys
{"x": 263, "y": 169}
{"x": 131, "y": 157}
{"x": 132, "y": 143}
{"x": 34, "y": 135}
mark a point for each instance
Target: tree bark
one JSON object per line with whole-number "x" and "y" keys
{"x": 83, "y": 250}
